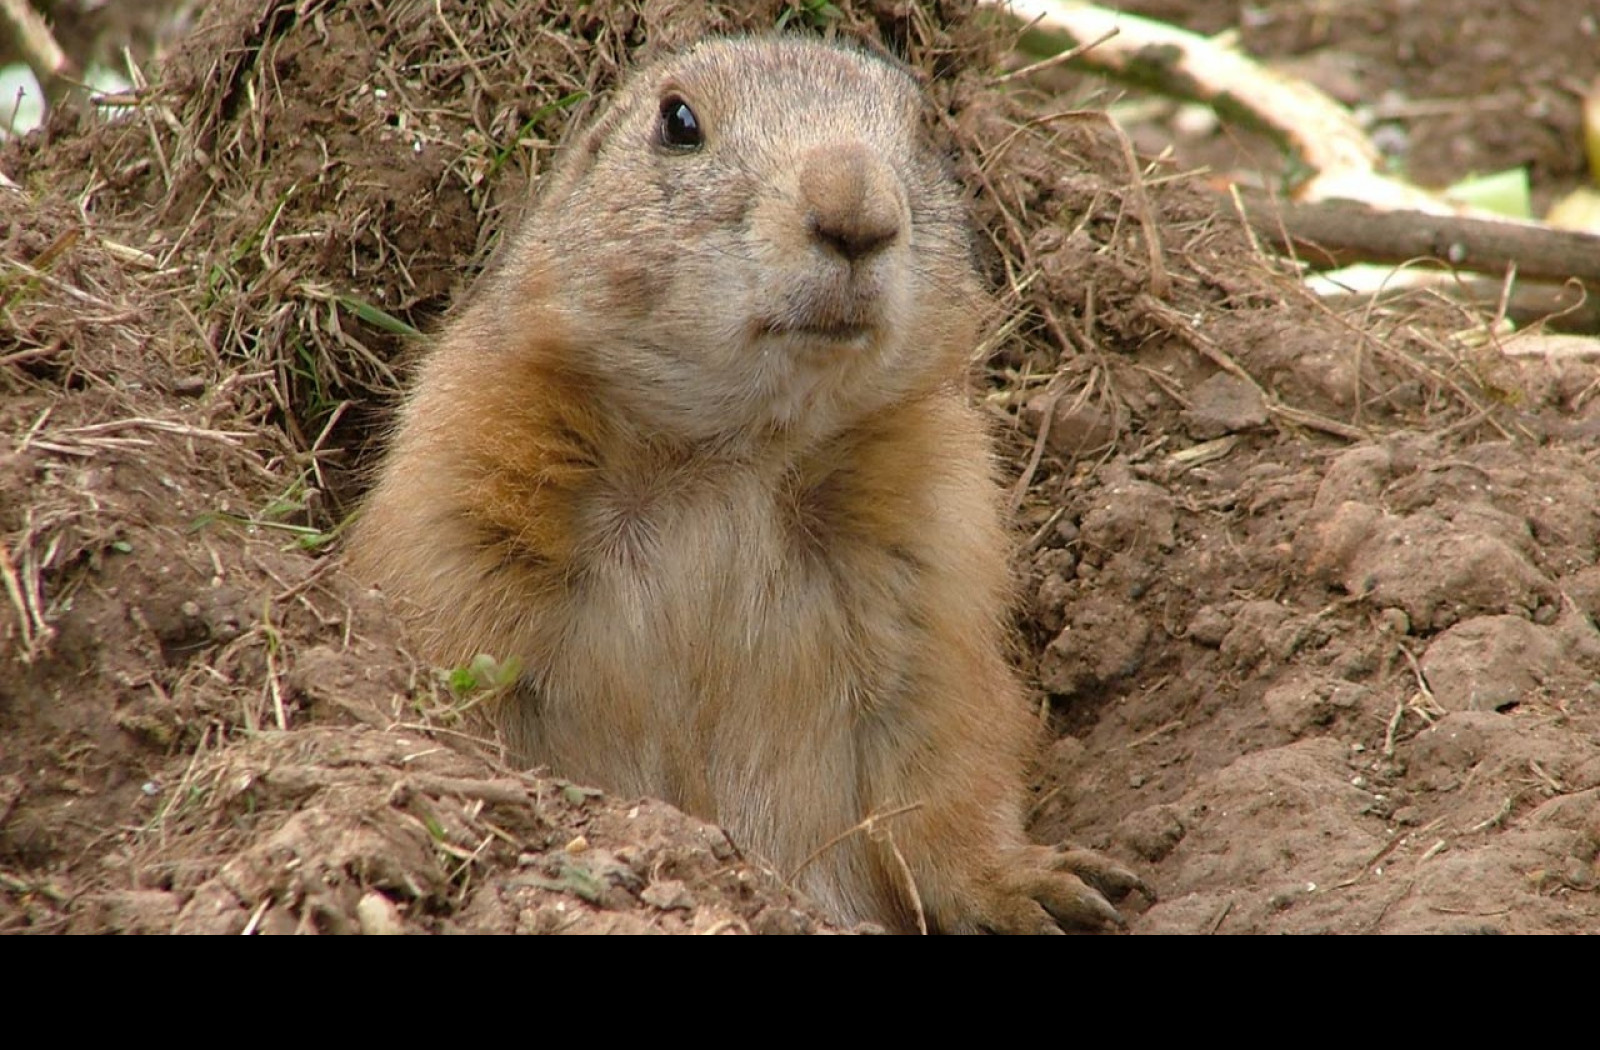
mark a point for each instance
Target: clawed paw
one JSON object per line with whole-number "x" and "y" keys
{"x": 1043, "y": 890}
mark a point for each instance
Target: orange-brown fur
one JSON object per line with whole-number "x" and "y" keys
{"x": 717, "y": 486}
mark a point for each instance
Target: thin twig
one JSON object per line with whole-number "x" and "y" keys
{"x": 866, "y": 825}
{"x": 1054, "y": 60}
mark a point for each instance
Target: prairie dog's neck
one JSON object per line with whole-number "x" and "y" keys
{"x": 632, "y": 448}
{"x": 630, "y": 432}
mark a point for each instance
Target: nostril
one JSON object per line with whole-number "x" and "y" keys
{"x": 854, "y": 203}
{"x": 852, "y": 238}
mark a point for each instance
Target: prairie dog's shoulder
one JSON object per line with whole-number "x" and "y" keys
{"x": 475, "y": 511}
{"x": 490, "y": 435}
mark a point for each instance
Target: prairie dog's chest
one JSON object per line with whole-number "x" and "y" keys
{"x": 683, "y": 553}
{"x": 717, "y": 583}
{"x": 678, "y": 550}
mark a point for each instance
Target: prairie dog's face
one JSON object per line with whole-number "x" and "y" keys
{"x": 764, "y": 238}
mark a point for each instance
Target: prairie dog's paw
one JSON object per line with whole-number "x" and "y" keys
{"x": 1043, "y": 890}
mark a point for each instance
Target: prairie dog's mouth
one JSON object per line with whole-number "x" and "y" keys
{"x": 806, "y": 310}
{"x": 836, "y": 320}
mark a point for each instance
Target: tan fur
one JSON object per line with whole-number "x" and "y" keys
{"x": 719, "y": 489}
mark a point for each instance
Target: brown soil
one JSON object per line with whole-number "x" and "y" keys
{"x": 1310, "y": 598}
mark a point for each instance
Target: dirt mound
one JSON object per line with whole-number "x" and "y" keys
{"x": 1311, "y": 597}
{"x": 377, "y": 830}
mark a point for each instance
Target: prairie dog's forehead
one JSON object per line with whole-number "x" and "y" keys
{"x": 788, "y": 79}
{"x": 792, "y": 62}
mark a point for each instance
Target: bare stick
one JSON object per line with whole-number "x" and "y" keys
{"x": 1324, "y": 135}
{"x": 1309, "y": 123}
{"x": 26, "y": 31}
{"x": 1329, "y": 234}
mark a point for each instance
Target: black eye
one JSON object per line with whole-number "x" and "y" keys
{"x": 680, "y": 128}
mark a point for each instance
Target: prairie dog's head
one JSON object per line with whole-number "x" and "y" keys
{"x": 755, "y": 235}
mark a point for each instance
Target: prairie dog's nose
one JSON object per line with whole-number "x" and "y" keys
{"x": 852, "y": 199}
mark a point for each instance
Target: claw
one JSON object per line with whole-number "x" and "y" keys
{"x": 1073, "y": 902}
{"x": 1104, "y": 874}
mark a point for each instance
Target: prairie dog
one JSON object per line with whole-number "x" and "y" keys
{"x": 697, "y": 453}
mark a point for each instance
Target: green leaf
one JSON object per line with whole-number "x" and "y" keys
{"x": 377, "y": 318}
{"x": 461, "y": 680}
{"x": 1502, "y": 192}
{"x": 539, "y": 114}
{"x": 576, "y": 796}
